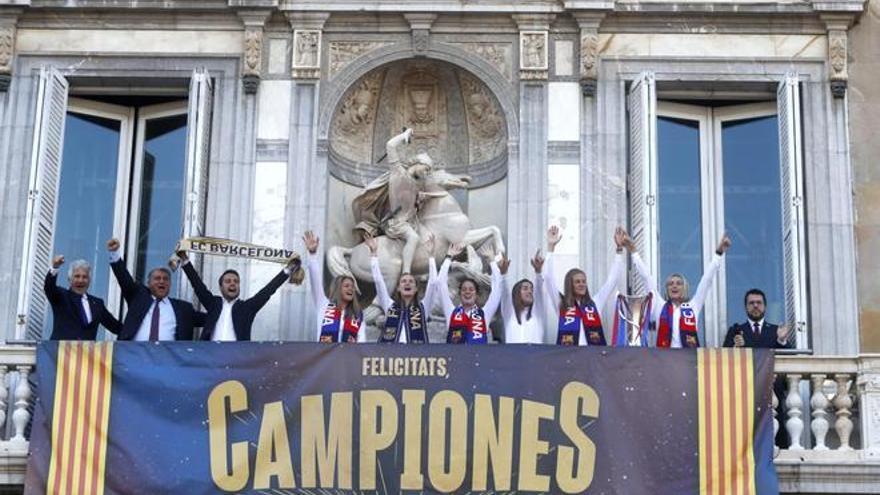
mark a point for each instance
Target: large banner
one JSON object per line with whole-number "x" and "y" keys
{"x": 301, "y": 418}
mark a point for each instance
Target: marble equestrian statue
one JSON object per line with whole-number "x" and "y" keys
{"x": 435, "y": 214}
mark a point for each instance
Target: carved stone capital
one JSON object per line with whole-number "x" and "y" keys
{"x": 252, "y": 53}
{"x": 420, "y": 24}
{"x": 838, "y": 24}
{"x": 8, "y": 20}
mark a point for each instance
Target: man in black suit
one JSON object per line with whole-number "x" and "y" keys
{"x": 75, "y": 313}
{"x": 756, "y": 332}
{"x": 230, "y": 318}
{"x": 152, "y": 315}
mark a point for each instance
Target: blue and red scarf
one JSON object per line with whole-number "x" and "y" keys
{"x": 467, "y": 327}
{"x": 570, "y": 322}
{"x": 619, "y": 335}
{"x": 687, "y": 326}
{"x": 332, "y": 320}
{"x": 416, "y": 330}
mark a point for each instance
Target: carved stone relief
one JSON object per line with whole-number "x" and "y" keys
{"x": 485, "y": 122}
{"x": 589, "y": 47}
{"x": 837, "y": 53}
{"x": 352, "y": 132}
{"x": 533, "y": 50}
{"x": 420, "y": 40}
{"x": 343, "y": 52}
{"x": 306, "y": 49}
{"x": 253, "y": 49}
{"x": 454, "y": 116}
{"x": 499, "y": 55}
{"x": 7, "y": 44}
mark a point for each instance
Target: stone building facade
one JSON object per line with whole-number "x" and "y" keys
{"x": 579, "y": 113}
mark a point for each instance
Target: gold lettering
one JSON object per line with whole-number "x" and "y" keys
{"x": 576, "y": 394}
{"x": 377, "y": 432}
{"x": 413, "y": 403}
{"x": 273, "y": 444}
{"x": 453, "y": 403}
{"x": 326, "y": 447}
{"x": 531, "y": 446}
{"x": 217, "y": 437}
{"x": 441, "y": 367}
{"x": 492, "y": 442}
{"x": 365, "y": 366}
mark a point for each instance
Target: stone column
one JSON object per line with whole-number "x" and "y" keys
{"x": 252, "y": 52}
{"x": 306, "y": 202}
{"x": 527, "y": 189}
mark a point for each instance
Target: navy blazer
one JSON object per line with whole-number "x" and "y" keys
{"x": 766, "y": 339}
{"x": 67, "y": 315}
{"x": 140, "y": 299}
{"x": 243, "y": 311}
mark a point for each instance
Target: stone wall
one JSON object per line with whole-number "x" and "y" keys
{"x": 864, "y": 106}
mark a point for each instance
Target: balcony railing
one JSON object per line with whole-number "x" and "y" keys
{"x": 830, "y": 412}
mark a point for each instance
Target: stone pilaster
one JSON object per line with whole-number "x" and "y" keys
{"x": 252, "y": 52}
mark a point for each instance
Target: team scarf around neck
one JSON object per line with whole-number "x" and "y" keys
{"x": 687, "y": 326}
{"x": 619, "y": 336}
{"x": 467, "y": 327}
{"x": 570, "y": 321}
{"x": 234, "y": 249}
{"x": 416, "y": 330}
{"x": 332, "y": 320}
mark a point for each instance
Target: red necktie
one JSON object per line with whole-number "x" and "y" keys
{"x": 154, "y": 323}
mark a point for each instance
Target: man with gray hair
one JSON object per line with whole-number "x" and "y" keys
{"x": 152, "y": 315}
{"x": 76, "y": 314}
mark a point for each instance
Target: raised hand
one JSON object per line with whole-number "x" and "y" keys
{"x": 619, "y": 238}
{"x": 503, "y": 264}
{"x": 430, "y": 243}
{"x": 311, "y": 241}
{"x": 782, "y": 333}
{"x": 723, "y": 244}
{"x": 57, "y": 261}
{"x": 113, "y": 245}
{"x": 371, "y": 243}
{"x": 739, "y": 340}
{"x": 538, "y": 261}
{"x": 554, "y": 235}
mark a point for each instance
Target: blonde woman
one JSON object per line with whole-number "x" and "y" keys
{"x": 340, "y": 318}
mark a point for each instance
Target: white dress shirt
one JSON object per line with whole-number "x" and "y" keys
{"x": 167, "y": 321}
{"x": 696, "y": 302}
{"x": 224, "y": 331}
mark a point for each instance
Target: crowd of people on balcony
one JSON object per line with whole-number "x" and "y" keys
{"x": 671, "y": 317}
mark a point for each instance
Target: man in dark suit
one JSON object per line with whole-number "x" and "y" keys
{"x": 152, "y": 315}
{"x": 230, "y": 318}
{"x": 75, "y": 313}
{"x": 756, "y": 332}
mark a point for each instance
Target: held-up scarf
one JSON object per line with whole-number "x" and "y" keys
{"x": 619, "y": 336}
{"x": 570, "y": 321}
{"x": 416, "y": 331}
{"x": 467, "y": 328}
{"x": 242, "y": 250}
{"x": 331, "y": 322}
{"x": 687, "y": 326}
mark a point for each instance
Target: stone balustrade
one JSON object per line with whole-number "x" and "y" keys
{"x": 830, "y": 411}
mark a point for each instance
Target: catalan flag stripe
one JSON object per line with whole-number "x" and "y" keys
{"x": 80, "y": 418}
{"x": 725, "y": 379}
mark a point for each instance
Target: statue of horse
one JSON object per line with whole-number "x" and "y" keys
{"x": 440, "y": 215}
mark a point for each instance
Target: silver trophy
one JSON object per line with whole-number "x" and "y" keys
{"x": 630, "y": 309}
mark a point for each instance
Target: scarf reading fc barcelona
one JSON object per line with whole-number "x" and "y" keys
{"x": 331, "y": 322}
{"x": 687, "y": 326}
{"x": 416, "y": 329}
{"x": 467, "y": 327}
{"x": 571, "y": 319}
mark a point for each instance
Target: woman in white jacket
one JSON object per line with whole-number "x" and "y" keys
{"x": 468, "y": 323}
{"x": 340, "y": 318}
{"x": 579, "y": 320}
{"x": 523, "y": 306}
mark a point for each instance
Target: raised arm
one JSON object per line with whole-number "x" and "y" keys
{"x": 430, "y": 298}
{"x": 261, "y": 298}
{"x": 127, "y": 285}
{"x": 553, "y": 238}
{"x": 393, "y": 144}
{"x": 109, "y": 321}
{"x": 507, "y": 309}
{"x": 50, "y": 284}
{"x": 381, "y": 289}
{"x": 610, "y": 284}
{"x": 443, "y": 288}
{"x": 709, "y": 274}
{"x": 319, "y": 298}
{"x": 202, "y": 292}
{"x": 495, "y": 293}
